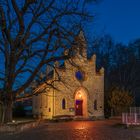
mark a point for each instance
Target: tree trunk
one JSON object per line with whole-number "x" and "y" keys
{"x": 8, "y": 112}
{"x": 1, "y": 112}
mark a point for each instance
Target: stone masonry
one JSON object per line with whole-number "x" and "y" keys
{"x": 81, "y": 90}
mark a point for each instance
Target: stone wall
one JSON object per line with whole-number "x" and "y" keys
{"x": 93, "y": 84}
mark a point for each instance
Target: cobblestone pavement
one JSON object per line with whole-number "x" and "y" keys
{"x": 76, "y": 130}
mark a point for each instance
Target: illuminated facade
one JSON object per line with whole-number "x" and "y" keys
{"x": 80, "y": 94}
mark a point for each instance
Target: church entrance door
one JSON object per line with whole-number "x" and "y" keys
{"x": 79, "y": 107}
{"x": 80, "y": 102}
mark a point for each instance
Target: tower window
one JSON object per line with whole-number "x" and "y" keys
{"x": 95, "y": 104}
{"x": 63, "y": 104}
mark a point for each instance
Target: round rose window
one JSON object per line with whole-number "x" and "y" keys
{"x": 79, "y": 75}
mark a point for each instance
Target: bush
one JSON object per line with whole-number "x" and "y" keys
{"x": 119, "y": 100}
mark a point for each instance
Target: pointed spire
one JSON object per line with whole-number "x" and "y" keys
{"x": 48, "y": 69}
{"x": 93, "y": 57}
{"x": 102, "y": 71}
{"x": 56, "y": 64}
{"x": 81, "y": 36}
{"x": 83, "y": 45}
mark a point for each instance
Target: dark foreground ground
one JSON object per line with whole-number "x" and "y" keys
{"x": 76, "y": 130}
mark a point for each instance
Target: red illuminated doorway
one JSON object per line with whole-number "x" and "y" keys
{"x": 79, "y": 107}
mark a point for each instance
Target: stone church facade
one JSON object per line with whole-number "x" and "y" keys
{"x": 80, "y": 93}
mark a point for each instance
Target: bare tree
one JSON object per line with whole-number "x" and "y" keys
{"x": 34, "y": 33}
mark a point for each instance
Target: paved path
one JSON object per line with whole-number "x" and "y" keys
{"x": 76, "y": 130}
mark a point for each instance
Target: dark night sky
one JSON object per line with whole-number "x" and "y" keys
{"x": 119, "y": 18}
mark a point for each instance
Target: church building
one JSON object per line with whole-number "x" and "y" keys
{"x": 79, "y": 93}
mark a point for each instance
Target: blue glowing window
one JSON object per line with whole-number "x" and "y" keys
{"x": 79, "y": 75}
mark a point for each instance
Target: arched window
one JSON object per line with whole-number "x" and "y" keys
{"x": 63, "y": 104}
{"x": 95, "y": 104}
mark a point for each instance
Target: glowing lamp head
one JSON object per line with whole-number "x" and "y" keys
{"x": 80, "y": 96}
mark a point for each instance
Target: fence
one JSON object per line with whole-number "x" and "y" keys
{"x": 132, "y": 117}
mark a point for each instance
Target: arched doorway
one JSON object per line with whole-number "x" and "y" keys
{"x": 81, "y": 102}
